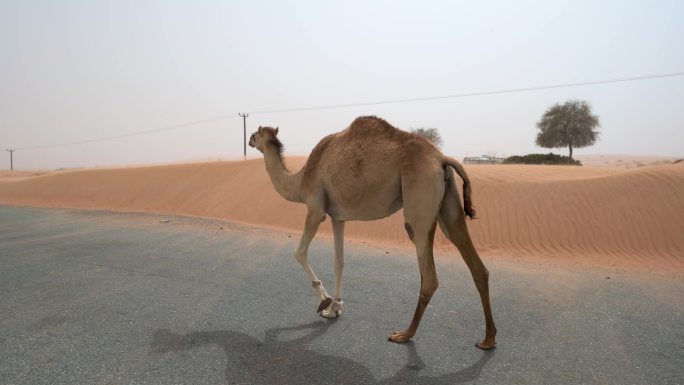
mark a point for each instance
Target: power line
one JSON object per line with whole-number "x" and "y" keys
{"x": 361, "y": 104}
{"x": 160, "y": 129}
{"x": 463, "y": 95}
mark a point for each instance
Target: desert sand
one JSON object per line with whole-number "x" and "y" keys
{"x": 624, "y": 161}
{"x": 614, "y": 217}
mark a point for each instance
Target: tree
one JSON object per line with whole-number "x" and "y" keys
{"x": 430, "y": 134}
{"x": 571, "y": 124}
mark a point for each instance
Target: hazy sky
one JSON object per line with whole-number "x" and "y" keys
{"x": 79, "y": 70}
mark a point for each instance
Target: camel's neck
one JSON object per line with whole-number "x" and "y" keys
{"x": 285, "y": 183}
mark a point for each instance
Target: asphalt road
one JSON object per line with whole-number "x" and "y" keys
{"x": 104, "y": 298}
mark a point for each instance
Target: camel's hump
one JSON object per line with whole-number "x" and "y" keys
{"x": 370, "y": 121}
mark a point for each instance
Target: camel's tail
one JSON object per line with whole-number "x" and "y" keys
{"x": 467, "y": 192}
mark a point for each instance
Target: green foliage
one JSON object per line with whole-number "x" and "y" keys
{"x": 569, "y": 125}
{"x": 430, "y": 134}
{"x": 549, "y": 158}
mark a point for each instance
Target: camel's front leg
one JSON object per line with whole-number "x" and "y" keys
{"x": 313, "y": 220}
{"x": 335, "y": 309}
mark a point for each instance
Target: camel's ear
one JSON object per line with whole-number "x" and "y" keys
{"x": 276, "y": 131}
{"x": 259, "y": 130}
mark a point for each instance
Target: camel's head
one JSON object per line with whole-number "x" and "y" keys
{"x": 262, "y": 136}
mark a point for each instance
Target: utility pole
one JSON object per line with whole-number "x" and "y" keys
{"x": 244, "y": 133}
{"x": 11, "y": 151}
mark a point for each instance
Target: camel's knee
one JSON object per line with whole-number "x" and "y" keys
{"x": 300, "y": 256}
{"x": 427, "y": 290}
{"x": 455, "y": 231}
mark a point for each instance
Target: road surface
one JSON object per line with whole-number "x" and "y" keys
{"x": 93, "y": 297}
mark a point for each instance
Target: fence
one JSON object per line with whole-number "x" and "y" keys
{"x": 484, "y": 159}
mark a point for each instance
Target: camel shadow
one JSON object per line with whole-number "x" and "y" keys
{"x": 277, "y": 361}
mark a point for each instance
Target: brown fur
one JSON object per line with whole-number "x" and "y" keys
{"x": 369, "y": 171}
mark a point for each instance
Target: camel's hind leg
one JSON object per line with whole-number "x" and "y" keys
{"x": 453, "y": 224}
{"x": 313, "y": 221}
{"x": 428, "y": 282}
{"x": 422, "y": 196}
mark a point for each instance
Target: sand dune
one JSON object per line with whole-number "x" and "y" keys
{"x": 632, "y": 219}
{"x": 624, "y": 161}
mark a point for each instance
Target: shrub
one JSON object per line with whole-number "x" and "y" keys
{"x": 549, "y": 158}
{"x": 430, "y": 134}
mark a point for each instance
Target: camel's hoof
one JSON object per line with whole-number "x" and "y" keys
{"x": 327, "y": 313}
{"x": 324, "y": 304}
{"x": 334, "y": 311}
{"x": 485, "y": 345}
{"x": 400, "y": 337}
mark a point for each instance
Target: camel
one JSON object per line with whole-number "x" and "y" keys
{"x": 369, "y": 171}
